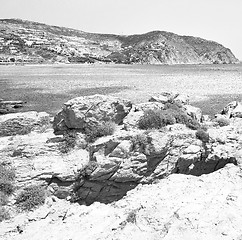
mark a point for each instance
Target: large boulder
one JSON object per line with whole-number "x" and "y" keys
{"x": 82, "y": 112}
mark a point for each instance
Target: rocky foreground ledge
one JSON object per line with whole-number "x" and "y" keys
{"x": 78, "y": 172}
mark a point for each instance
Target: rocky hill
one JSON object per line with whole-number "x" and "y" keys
{"x": 31, "y": 42}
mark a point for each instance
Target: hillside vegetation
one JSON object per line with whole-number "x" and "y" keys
{"x": 32, "y": 42}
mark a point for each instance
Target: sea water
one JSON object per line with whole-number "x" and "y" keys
{"x": 47, "y": 87}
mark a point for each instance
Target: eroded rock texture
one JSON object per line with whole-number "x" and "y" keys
{"x": 106, "y": 169}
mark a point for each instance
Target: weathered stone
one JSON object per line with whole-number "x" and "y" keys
{"x": 182, "y": 99}
{"x": 163, "y": 97}
{"x": 233, "y": 109}
{"x": 83, "y": 112}
{"x": 194, "y": 112}
{"x": 168, "y": 209}
{"x": 22, "y": 123}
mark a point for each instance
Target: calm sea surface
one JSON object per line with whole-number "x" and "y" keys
{"x": 47, "y": 87}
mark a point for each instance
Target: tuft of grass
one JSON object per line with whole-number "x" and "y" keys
{"x": 99, "y": 130}
{"x": 4, "y": 214}
{"x": 3, "y": 199}
{"x": 7, "y": 175}
{"x": 7, "y": 172}
{"x": 202, "y": 135}
{"x": 6, "y": 187}
{"x": 222, "y": 121}
{"x": 31, "y": 197}
{"x": 131, "y": 218}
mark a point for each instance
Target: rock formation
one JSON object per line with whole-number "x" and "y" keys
{"x": 178, "y": 207}
{"x": 31, "y": 42}
{"x": 160, "y": 183}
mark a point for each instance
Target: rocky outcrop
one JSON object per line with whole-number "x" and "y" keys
{"x": 178, "y": 207}
{"x": 22, "y": 123}
{"x": 119, "y": 164}
{"x": 233, "y": 109}
{"x": 32, "y": 42}
{"x": 106, "y": 169}
{"x": 84, "y": 112}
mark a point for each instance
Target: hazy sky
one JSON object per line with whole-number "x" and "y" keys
{"x": 218, "y": 20}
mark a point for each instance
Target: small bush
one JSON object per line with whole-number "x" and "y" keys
{"x": 131, "y": 218}
{"x": 31, "y": 197}
{"x": 6, "y": 187}
{"x": 100, "y": 130}
{"x": 139, "y": 141}
{"x": 159, "y": 118}
{"x": 202, "y": 135}
{"x": 3, "y": 199}
{"x": 69, "y": 142}
{"x": 151, "y": 119}
{"x": 6, "y": 172}
{"x": 4, "y": 214}
{"x": 222, "y": 121}
{"x": 7, "y": 175}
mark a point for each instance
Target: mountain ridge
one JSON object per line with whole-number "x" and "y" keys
{"x": 27, "y": 41}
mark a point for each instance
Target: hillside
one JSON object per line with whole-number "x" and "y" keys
{"x": 31, "y": 42}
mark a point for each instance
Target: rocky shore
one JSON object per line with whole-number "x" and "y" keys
{"x": 109, "y": 172}
{"x": 10, "y": 106}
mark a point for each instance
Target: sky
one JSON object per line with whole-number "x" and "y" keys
{"x": 217, "y": 20}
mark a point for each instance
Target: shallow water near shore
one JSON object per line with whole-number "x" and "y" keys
{"x": 47, "y": 87}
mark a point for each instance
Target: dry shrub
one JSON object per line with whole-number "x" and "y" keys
{"x": 7, "y": 175}
{"x": 157, "y": 119}
{"x": 202, "y": 135}
{"x": 99, "y": 130}
{"x": 31, "y": 197}
{"x": 4, "y": 214}
{"x": 69, "y": 142}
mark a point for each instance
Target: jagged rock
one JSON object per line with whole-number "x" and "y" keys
{"x": 170, "y": 97}
{"x": 113, "y": 165}
{"x": 37, "y": 160}
{"x": 22, "y": 123}
{"x": 193, "y": 112}
{"x": 233, "y": 109}
{"x": 178, "y": 207}
{"x": 83, "y": 112}
{"x": 119, "y": 164}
